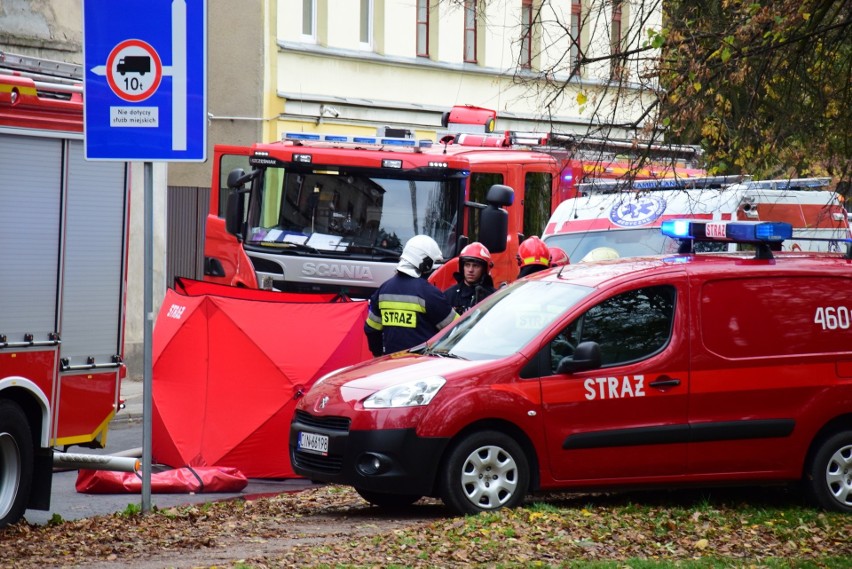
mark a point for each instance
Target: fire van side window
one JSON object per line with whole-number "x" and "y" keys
{"x": 628, "y": 327}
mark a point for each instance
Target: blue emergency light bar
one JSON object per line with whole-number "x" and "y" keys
{"x": 355, "y": 139}
{"x": 733, "y": 231}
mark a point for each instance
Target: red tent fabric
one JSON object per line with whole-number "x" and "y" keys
{"x": 227, "y": 373}
{"x": 178, "y": 481}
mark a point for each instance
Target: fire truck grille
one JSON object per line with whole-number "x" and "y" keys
{"x": 340, "y": 424}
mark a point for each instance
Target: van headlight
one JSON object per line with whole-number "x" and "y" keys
{"x": 408, "y": 394}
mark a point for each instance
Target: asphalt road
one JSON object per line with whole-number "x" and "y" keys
{"x": 126, "y": 434}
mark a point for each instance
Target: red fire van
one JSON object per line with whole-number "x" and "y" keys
{"x": 687, "y": 369}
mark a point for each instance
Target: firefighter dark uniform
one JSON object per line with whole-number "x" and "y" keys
{"x": 462, "y": 296}
{"x": 407, "y": 310}
{"x": 469, "y": 291}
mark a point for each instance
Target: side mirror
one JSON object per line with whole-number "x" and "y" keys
{"x": 234, "y": 214}
{"x": 587, "y": 355}
{"x": 500, "y": 196}
{"x": 237, "y": 178}
{"x": 494, "y": 220}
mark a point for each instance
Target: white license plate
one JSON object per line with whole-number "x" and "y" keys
{"x": 313, "y": 442}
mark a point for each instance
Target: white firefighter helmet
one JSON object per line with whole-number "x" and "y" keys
{"x": 419, "y": 256}
{"x": 600, "y": 254}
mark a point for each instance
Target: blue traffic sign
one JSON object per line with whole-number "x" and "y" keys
{"x": 145, "y": 81}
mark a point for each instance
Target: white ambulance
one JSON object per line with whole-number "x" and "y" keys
{"x": 610, "y": 218}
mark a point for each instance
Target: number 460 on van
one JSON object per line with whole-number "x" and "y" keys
{"x": 832, "y": 317}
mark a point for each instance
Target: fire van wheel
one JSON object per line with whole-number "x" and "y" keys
{"x": 388, "y": 501}
{"x": 16, "y": 462}
{"x": 829, "y": 475}
{"x": 485, "y": 471}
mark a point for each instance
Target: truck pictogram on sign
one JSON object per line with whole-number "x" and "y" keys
{"x": 140, "y": 64}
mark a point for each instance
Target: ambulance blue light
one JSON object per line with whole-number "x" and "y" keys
{"x": 336, "y": 138}
{"x": 365, "y": 139}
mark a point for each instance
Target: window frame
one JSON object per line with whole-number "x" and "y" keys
{"x": 309, "y": 18}
{"x": 525, "y": 54}
{"x": 616, "y": 41}
{"x": 367, "y": 12}
{"x": 421, "y": 35}
{"x": 471, "y": 31}
{"x": 576, "y": 48}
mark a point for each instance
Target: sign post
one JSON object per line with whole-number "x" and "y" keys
{"x": 145, "y": 99}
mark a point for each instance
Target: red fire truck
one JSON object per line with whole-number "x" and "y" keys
{"x": 326, "y": 213}
{"x": 63, "y": 229}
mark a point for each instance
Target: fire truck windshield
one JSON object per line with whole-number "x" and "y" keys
{"x": 357, "y": 214}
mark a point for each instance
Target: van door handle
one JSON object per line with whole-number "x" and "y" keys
{"x": 665, "y": 381}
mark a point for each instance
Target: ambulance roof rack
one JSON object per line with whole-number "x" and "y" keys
{"x": 765, "y": 235}
{"x": 673, "y": 183}
{"x": 788, "y": 183}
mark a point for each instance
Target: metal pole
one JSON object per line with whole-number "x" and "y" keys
{"x": 147, "y": 399}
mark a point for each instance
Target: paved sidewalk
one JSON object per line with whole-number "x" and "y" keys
{"x": 131, "y": 393}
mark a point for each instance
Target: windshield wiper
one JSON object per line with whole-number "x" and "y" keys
{"x": 288, "y": 245}
{"x": 444, "y": 354}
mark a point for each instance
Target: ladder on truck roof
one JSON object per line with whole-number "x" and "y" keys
{"x": 52, "y": 79}
{"x": 40, "y": 94}
{"x": 681, "y": 152}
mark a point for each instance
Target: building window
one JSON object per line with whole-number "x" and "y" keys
{"x": 309, "y": 19}
{"x": 617, "y": 41}
{"x": 525, "y": 57}
{"x": 576, "y": 35}
{"x": 366, "y": 32}
{"x": 470, "y": 31}
{"x": 423, "y": 28}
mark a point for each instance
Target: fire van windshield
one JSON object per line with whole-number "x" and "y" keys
{"x": 352, "y": 214}
{"x": 509, "y": 319}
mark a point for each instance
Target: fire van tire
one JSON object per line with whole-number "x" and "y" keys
{"x": 388, "y": 501}
{"x": 828, "y": 479}
{"x": 485, "y": 471}
{"x": 16, "y": 462}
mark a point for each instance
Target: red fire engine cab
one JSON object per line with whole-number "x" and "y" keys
{"x": 327, "y": 213}
{"x": 63, "y": 229}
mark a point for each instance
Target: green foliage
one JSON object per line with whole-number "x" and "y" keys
{"x": 131, "y": 510}
{"x": 762, "y": 86}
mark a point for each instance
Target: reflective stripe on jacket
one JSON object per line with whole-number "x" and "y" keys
{"x": 407, "y": 311}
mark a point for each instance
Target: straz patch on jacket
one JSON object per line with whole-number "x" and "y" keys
{"x": 401, "y": 318}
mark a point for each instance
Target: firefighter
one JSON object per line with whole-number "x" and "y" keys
{"x": 533, "y": 256}
{"x": 473, "y": 280}
{"x": 407, "y": 310}
{"x": 558, "y": 257}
